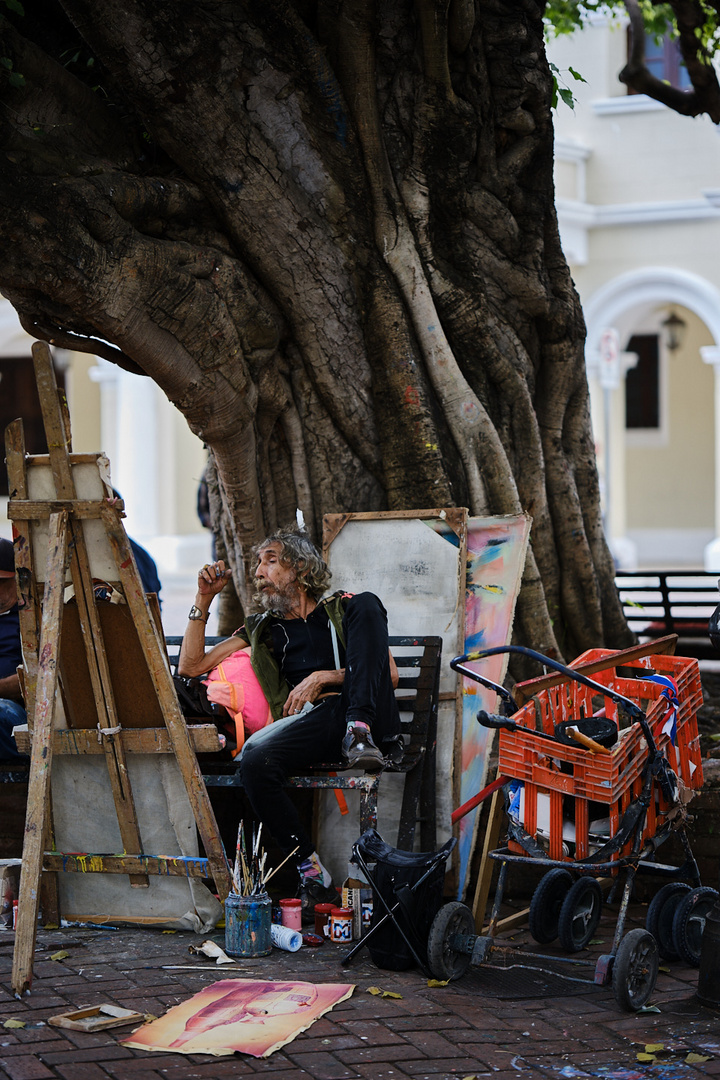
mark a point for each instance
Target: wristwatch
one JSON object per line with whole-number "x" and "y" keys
{"x": 196, "y": 613}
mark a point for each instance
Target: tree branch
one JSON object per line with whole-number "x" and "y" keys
{"x": 63, "y": 339}
{"x": 705, "y": 95}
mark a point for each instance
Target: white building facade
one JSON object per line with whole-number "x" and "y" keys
{"x": 638, "y": 198}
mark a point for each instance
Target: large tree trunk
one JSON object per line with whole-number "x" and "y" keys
{"x": 327, "y": 231}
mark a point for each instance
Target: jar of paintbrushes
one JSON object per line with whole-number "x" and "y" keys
{"x": 248, "y": 909}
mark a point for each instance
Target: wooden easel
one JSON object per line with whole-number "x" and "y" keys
{"x": 41, "y": 618}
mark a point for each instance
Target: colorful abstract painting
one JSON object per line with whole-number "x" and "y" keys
{"x": 247, "y": 1016}
{"x": 495, "y": 560}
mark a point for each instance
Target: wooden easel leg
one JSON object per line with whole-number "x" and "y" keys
{"x": 155, "y": 655}
{"x": 49, "y": 892}
{"x": 484, "y": 880}
{"x": 41, "y": 759}
{"x": 57, "y": 430}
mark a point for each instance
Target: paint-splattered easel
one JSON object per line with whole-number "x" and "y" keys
{"x": 48, "y": 514}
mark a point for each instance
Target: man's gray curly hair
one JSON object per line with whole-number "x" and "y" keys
{"x": 298, "y": 551}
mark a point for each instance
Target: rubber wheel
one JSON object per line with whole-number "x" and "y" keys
{"x": 635, "y": 969}
{"x": 445, "y": 962}
{"x": 689, "y": 923}
{"x": 660, "y": 914}
{"x": 673, "y": 891}
{"x": 546, "y": 902}
{"x": 580, "y": 914}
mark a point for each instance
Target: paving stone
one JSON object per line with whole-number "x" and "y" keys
{"x": 381, "y": 1070}
{"x": 322, "y": 1066}
{"x": 372, "y": 1032}
{"x": 27, "y": 1068}
{"x": 81, "y": 1071}
{"x": 446, "y": 1066}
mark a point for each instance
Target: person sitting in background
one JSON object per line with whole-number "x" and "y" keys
{"x": 147, "y": 568}
{"x": 12, "y": 712}
{"x": 328, "y": 676}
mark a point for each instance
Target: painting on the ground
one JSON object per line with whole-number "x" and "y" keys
{"x": 247, "y": 1016}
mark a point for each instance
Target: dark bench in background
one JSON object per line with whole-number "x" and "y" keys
{"x": 660, "y": 602}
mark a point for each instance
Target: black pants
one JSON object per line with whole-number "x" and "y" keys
{"x": 314, "y": 739}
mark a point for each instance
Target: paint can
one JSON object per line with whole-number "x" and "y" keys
{"x": 341, "y": 920}
{"x": 708, "y": 988}
{"x": 291, "y": 913}
{"x": 285, "y": 938}
{"x": 322, "y": 919}
{"x": 247, "y": 925}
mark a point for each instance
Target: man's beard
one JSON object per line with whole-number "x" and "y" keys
{"x": 279, "y": 602}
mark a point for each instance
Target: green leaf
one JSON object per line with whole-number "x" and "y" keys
{"x": 576, "y": 75}
{"x": 567, "y": 96}
{"x": 16, "y": 6}
{"x": 16, "y": 79}
{"x": 6, "y": 62}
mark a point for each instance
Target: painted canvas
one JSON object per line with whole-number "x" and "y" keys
{"x": 496, "y": 548}
{"x": 247, "y": 1016}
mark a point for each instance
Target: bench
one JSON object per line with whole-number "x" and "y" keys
{"x": 661, "y": 602}
{"x": 418, "y": 662}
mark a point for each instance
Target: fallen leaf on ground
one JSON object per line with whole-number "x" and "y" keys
{"x": 61, "y": 955}
{"x": 14, "y": 1023}
{"x": 438, "y": 982}
{"x": 696, "y": 1059}
{"x": 654, "y": 1048}
{"x": 376, "y": 991}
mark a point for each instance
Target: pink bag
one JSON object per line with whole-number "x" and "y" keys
{"x": 235, "y": 685}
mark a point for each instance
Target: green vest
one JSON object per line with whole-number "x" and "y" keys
{"x": 256, "y": 631}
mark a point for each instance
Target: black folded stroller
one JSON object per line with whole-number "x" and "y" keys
{"x": 407, "y": 891}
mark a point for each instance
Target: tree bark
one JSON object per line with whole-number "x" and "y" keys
{"x": 327, "y": 231}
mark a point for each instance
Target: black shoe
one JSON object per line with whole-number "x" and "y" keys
{"x": 360, "y": 751}
{"x": 312, "y": 892}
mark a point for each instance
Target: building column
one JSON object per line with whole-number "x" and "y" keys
{"x": 130, "y": 428}
{"x": 711, "y": 556}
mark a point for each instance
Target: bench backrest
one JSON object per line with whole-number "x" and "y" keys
{"x": 660, "y": 602}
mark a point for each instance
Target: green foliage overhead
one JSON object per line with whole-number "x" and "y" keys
{"x": 566, "y": 16}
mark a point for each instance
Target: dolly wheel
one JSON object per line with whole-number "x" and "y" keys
{"x": 660, "y": 913}
{"x": 689, "y": 922}
{"x": 445, "y": 961}
{"x": 546, "y": 902}
{"x": 580, "y": 914}
{"x": 635, "y": 970}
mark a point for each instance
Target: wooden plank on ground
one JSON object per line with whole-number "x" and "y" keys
{"x": 41, "y": 760}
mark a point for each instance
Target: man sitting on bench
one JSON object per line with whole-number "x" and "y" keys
{"x": 328, "y": 676}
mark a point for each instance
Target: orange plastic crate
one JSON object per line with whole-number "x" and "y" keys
{"x": 572, "y": 778}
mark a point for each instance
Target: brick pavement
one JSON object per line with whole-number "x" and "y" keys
{"x": 480, "y": 1026}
